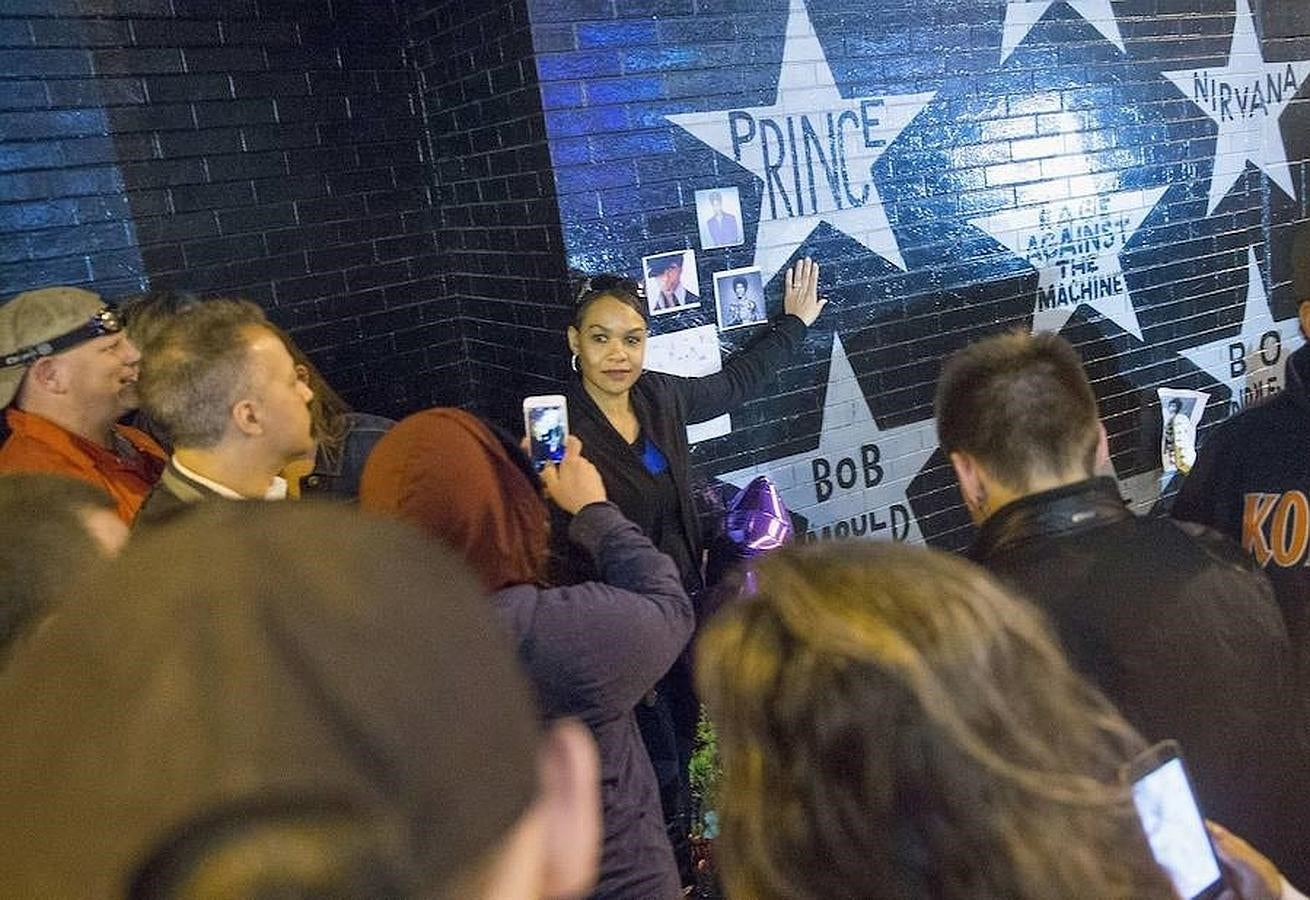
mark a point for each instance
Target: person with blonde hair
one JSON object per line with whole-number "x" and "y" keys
{"x": 894, "y": 724}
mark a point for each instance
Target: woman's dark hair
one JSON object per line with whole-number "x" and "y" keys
{"x": 145, "y": 316}
{"x": 607, "y": 284}
{"x": 739, "y": 280}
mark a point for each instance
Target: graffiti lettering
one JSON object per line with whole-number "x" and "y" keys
{"x": 848, "y": 472}
{"x": 813, "y": 162}
{"x": 1287, "y": 536}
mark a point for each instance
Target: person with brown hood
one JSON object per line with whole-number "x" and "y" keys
{"x": 330, "y": 713}
{"x": 592, "y": 649}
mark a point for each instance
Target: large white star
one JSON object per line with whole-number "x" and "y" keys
{"x": 1246, "y": 99}
{"x": 1022, "y": 15}
{"x": 1251, "y": 364}
{"x": 854, "y": 484}
{"x": 813, "y": 150}
{"x": 1074, "y": 244}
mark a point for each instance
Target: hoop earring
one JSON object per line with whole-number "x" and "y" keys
{"x": 573, "y": 363}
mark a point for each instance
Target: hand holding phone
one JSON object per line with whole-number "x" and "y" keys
{"x": 575, "y": 482}
{"x": 546, "y": 423}
{"x": 1173, "y": 822}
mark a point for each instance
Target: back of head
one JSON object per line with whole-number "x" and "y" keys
{"x": 262, "y": 654}
{"x": 146, "y": 315}
{"x": 195, "y": 368}
{"x": 45, "y": 542}
{"x": 893, "y": 713}
{"x": 447, "y": 472}
{"x": 1021, "y": 405}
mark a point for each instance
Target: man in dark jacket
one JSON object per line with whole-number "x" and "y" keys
{"x": 1252, "y": 480}
{"x": 223, "y": 385}
{"x": 1169, "y": 620}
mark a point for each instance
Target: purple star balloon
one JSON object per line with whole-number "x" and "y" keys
{"x": 756, "y": 520}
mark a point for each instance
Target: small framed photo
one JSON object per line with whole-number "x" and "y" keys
{"x": 718, "y": 211}
{"x": 672, "y": 282}
{"x": 739, "y": 296}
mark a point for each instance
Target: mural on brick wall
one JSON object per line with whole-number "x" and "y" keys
{"x": 1127, "y": 177}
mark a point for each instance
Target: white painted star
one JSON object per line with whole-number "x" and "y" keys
{"x": 1251, "y": 363}
{"x": 1022, "y": 15}
{"x": 813, "y": 151}
{"x": 1246, "y": 99}
{"x": 1074, "y": 244}
{"x": 855, "y": 482}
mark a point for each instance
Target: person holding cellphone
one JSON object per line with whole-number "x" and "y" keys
{"x": 592, "y": 650}
{"x": 634, "y": 426}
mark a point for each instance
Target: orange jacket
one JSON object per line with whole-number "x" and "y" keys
{"x": 38, "y": 445}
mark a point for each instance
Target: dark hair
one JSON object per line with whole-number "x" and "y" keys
{"x": 895, "y": 715}
{"x": 329, "y": 414}
{"x": 740, "y": 280}
{"x": 196, "y": 368}
{"x": 1021, "y": 405}
{"x": 44, "y": 544}
{"x": 607, "y": 284}
{"x": 292, "y": 849}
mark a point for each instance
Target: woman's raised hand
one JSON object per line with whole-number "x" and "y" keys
{"x": 801, "y": 294}
{"x": 573, "y": 482}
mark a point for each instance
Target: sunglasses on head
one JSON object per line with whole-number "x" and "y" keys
{"x": 105, "y": 321}
{"x": 606, "y": 283}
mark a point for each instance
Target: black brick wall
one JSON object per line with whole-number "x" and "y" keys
{"x": 273, "y": 150}
{"x": 497, "y": 219}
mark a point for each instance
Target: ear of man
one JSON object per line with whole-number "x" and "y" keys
{"x": 247, "y": 417}
{"x": 1303, "y": 313}
{"x": 48, "y": 374}
{"x": 973, "y": 480}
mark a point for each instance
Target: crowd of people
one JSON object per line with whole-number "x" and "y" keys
{"x": 448, "y": 672}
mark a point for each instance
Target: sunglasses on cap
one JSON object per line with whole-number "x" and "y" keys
{"x": 105, "y": 321}
{"x": 606, "y": 283}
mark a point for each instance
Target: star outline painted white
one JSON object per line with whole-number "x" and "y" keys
{"x": 849, "y": 427}
{"x": 1021, "y": 16}
{"x": 806, "y": 87}
{"x": 1235, "y": 136}
{"x": 1215, "y": 359}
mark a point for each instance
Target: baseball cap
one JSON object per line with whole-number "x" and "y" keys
{"x": 32, "y": 323}
{"x": 254, "y": 651}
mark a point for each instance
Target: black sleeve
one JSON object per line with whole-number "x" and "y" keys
{"x": 744, "y": 375}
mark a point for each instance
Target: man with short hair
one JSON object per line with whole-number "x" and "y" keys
{"x": 222, "y": 384}
{"x": 67, "y": 374}
{"x": 1251, "y": 479}
{"x": 1169, "y": 620}
{"x": 330, "y": 711}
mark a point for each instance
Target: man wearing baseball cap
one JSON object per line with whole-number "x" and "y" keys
{"x": 67, "y": 374}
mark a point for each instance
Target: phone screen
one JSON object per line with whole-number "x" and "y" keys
{"x": 547, "y": 429}
{"x": 1175, "y": 829}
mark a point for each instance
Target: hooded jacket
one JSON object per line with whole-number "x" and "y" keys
{"x": 1251, "y": 482}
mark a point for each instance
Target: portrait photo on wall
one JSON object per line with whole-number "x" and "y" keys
{"x": 718, "y": 211}
{"x": 739, "y": 296}
{"x": 672, "y": 282}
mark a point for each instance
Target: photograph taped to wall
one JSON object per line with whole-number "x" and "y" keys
{"x": 1181, "y": 412}
{"x": 739, "y": 297}
{"x": 691, "y": 353}
{"x": 718, "y": 211}
{"x": 672, "y": 282}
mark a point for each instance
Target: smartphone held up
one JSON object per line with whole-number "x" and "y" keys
{"x": 546, "y": 423}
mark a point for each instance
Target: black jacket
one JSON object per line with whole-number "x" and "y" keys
{"x": 1177, "y": 628}
{"x": 592, "y": 651}
{"x": 1251, "y": 481}
{"x": 664, "y": 406}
